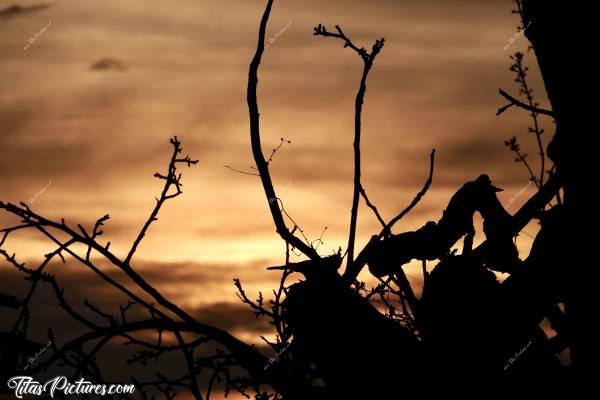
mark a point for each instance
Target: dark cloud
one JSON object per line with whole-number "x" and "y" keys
{"x": 80, "y": 284}
{"x": 16, "y": 10}
{"x": 107, "y": 63}
{"x": 45, "y": 314}
{"x": 14, "y": 118}
{"x": 72, "y": 274}
{"x": 33, "y": 159}
{"x": 232, "y": 318}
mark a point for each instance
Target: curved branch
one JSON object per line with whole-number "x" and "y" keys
{"x": 416, "y": 200}
{"x": 354, "y": 269}
{"x": 261, "y": 164}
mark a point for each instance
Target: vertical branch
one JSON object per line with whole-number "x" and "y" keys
{"x": 368, "y": 59}
{"x": 357, "y": 170}
{"x": 530, "y": 105}
{"x": 261, "y": 164}
{"x": 521, "y": 72}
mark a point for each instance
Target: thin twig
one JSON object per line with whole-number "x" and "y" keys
{"x": 521, "y": 70}
{"x": 276, "y": 149}
{"x": 515, "y": 102}
{"x": 514, "y": 146}
{"x": 372, "y": 206}
{"x": 416, "y": 200}
{"x": 241, "y": 172}
{"x": 171, "y": 179}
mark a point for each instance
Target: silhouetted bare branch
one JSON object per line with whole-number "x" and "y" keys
{"x": 240, "y": 171}
{"x": 261, "y": 164}
{"x": 372, "y": 206}
{"x": 514, "y": 146}
{"x": 518, "y": 103}
{"x": 368, "y": 59}
{"x": 417, "y": 198}
{"x": 243, "y": 354}
{"x": 353, "y": 270}
{"x": 172, "y": 180}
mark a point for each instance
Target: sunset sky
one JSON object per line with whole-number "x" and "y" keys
{"x": 87, "y": 109}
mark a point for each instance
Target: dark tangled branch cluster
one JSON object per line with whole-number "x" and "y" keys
{"x": 165, "y": 318}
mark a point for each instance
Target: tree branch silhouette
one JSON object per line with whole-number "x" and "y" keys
{"x": 261, "y": 164}
{"x": 171, "y": 181}
{"x": 352, "y": 272}
{"x": 240, "y": 353}
{"x": 371, "y": 206}
{"x": 518, "y": 103}
{"x": 368, "y": 60}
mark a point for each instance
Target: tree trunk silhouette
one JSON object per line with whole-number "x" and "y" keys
{"x": 557, "y": 33}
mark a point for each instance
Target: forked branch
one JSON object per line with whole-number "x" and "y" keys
{"x": 368, "y": 59}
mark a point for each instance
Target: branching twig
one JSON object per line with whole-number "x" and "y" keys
{"x": 353, "y": 270}
{"x": 521, "y": 157}
{"x": 516, "y": 102}
{"x": 531, "y": 105}
{"x": 171, "y": 180}
{"x": 276, "y": 149}
{"x": 521, "y": 71}
{"x": 368, "y": 59}
{"x": 372, "y": 206}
